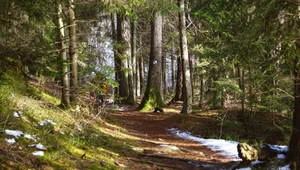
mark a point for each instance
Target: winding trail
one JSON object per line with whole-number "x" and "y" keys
{"x": 163, "y": 150}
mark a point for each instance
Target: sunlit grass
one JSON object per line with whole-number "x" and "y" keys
{"x": 76, "y": 141}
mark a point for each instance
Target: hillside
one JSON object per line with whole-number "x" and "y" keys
{"x": 37, "y": 134}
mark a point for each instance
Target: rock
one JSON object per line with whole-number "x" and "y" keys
{"x": 247, "y": 152}
{"x": 103, "y": 162}
{"x": 250, "y": 153}
{"x": 266, "y": 153}
{"x": 158, "y": 109}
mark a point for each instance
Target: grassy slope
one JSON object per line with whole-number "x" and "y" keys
{"x": 77, "y": 140}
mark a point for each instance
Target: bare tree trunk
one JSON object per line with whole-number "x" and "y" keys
{"x": 243, "y": 97}
{"x": 179, "y": 81}
{"x": 131, "y": 85}
{"x": 142, "y": 74}
{"x": 187, "y": 83}
{"x": 138, "y": 81}
{"x": 173, "y": 68}
{"x": 114, "y": 38}
{"x": 65, "y": 100}
{"x": 294, "y": 144}
{"x": 164, "y": 76}
{"x": 201, "y": 92}
{"x": 72, "y": 53}
{"x": 123, "y": 53}
{"x": 152, "y": 97}
{"x": 134, "y": 58}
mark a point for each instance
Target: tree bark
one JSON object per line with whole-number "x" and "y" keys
{"x": 65, "y": 99}
{"x": 173, "y": 69}
{"x": 134, "y": 58}
{"x": 73, "y": 53}
{"x": 142, "y": 75}
{"x": 294, "y": 143}
{"x": 179, "y": 81}
{"x": 123, "y": 53}
{"x": 164, "y": 76}
{"x": 114, "y": 38}
{"x": 243, "y": 97}
{"x": 152, "y": 97}
{"x": 187, "y": 83}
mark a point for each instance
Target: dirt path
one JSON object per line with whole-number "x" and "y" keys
{"x": 160, "y": 149}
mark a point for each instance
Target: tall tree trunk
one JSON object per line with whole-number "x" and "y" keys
{"x": 141, "y": 70}
{"x": 294, "y": 144}
{"x": 72, "y": 53}
{"x": 123, "y": 53}
{"x": 215, "y": 101}
{"x": 152, "y": 97}
{"x": 243, "y": 97}
{"x": 164, "y": 75}
{"x": 114, "y": 38}
{"x": 201, "y": 97}
{"x": 187, "y": 83}
{"x": 142, "y": 74}
{"x": 131, "y": 85}
{"x": 65, "y": 99}
{"x": 173, "y": 68}
{"x": 179, "y": 81}
{"x": 138, "y": 81}
{"x": 133, "y": 58}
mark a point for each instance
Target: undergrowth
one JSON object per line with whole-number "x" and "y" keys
{"x": 71, "y": 142}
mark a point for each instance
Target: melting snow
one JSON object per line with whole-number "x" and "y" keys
{"x": 45, "y": 122}
{"x": 286, "y": 167}
{"x": 30, "y": 137}
{"x": 11, "y": 141}
{"x": 38, "y": 153}
{"x": 17, "y": 113}
{"x": 226, "y": 148}
{"x": 279, "y": 148}
{"x": 15, "y": 133}
{"x": 39, "y": 146}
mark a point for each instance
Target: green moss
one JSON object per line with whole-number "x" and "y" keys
{"x": 63, "y": 150}
{"x": 151, "y": 100}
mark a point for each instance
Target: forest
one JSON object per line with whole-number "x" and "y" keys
{"x": 131, "y": 84}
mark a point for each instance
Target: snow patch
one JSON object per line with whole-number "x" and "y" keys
{"x": 39, "y": 146}
{"x": 17, "y": 114}
{"x": 45, "y": 122}
{"x": 228, "y": 148}
{"x": 224, "y": 147}
{"x": 30, "y": 137}
{"x": 279, "y": 148}
{"x": 11, "y": 141}
{"x": 15, "y": 133}
{"x": 286, "y": 167}
{"x": 38, "y": 153}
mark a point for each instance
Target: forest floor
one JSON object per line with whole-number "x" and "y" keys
{"x": 161, "y": 149}
{"x": 119, "y": 136}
